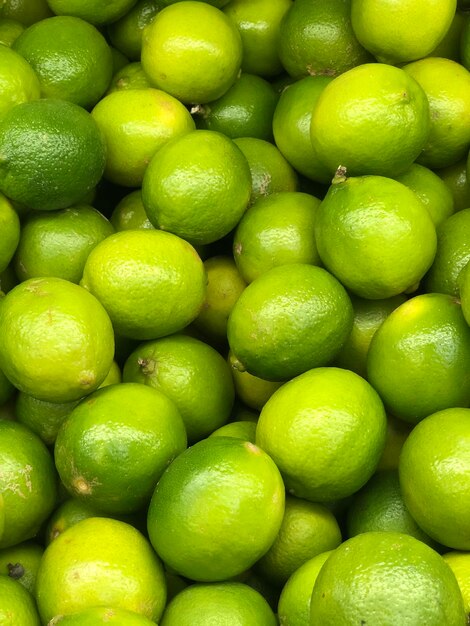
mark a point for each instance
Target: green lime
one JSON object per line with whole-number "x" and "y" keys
{"x": 101, "y": 615}
{"x": 126, "y": 33}
{"x": 21, "y": 562}
{"x": 455, "y": 177}
{"x": 10, "y": 229}
{"x": 16, "y": 604}
{"x": 251, "y": 390}
{"x": 94, "y": 11}
{"x": 241, "y": 430}
{"x": 18, "y": 79}
{"x": 130, "y": 76}
{"x": 25, "y": 11}
{"x": 129, "y": 213}
{"x": 10, "y": 30}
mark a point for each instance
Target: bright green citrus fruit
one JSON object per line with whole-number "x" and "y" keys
{"x": 245, "y": 110}
{"x": 452, "y": 255}
{"x": 126, "y": 33}
{"x": 276, "y": 230}
{"x": 449, "y": 46}
{"x": 434, "y": 194}
{"x": 100, "y": 562}
{"x": 368, "y": 317}
{"x": 270, "y": 171}
{"x": 307, "y": 529}
{"x": 224, "y": 286}
{"x": 224, "y": 604}
{"x": 464, "y": 290}
{"x": 459, "y": 563}
{"x": 135, "y": 124}
{"x": 10, "y": 229}
{"x": 258, "y": 22}
{"x": 434, "y": 470}
{"x": 217, "y": 509}
{"x": 41, "y": 417}
{"x": 379, "y": 506}
{"x": 67, "y": 514}
{"x": 324, "y": 459}
{"x": 291, "y": 126}
{"x": 21, "y": 562}
{"x": 129, "y": 213}
{"x": 57, "y": 243}
{"x": 57, "y": 341}
{"x": 397, "y": 433}
{"x": 251, "y": 390}
{"x": 373, "y": 119}
{"x": 17, "y": 607}
{"x": 396, "y": 31}
{"x": 19, "y": 83}
{"x": 374, "y": 235}
{"x": 93, "y": 11}
{"x": 241, "y": 430}
{"x": 455, "y": 177}
{"x": 192, "y": 51}
{"x": 384, "y": 579}
{"x": 447, "y": 87}
{"x": 130, "y": 76}
{"x": 192, "y": 374}
{"x": 317, "y": 39}
{"x": 197, "y": 186}
{"x": 151, "y": 283}
{"x": 128, "y": 426}
{"x": 100, "y": 615}
{"x": 215, "y": 3}
{"x": 290, "y": 319}
{"x": 418, "y": 359}
{"x": 10, "y": 30}
{"x": 63, "y": 51}
{"x": 25, "y": 11}
{"x": 294, "y": 602}
{"x": 52, "y": 154}
{"x": 28, "y": 483}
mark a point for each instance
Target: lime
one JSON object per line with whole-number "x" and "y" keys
{"x": 459, "y": 563}
{"x": 10, "y": 30}
{"x": 99, "y": 615}
{"x": 130, "y": 76}
{"x": 42, "y": 417}
{"x": 151, "y": 283}
{"x": 324, "y": 459}
{"x": 63, "y": 52}
{"x": 192, "y": 374}
{"x": 67, "y": 514}
{"x": 52, "y": 154}
{"x": 290, "y": 319}
{"x": 21, "y": 562}
{"x": 418, "y": 359}
{"x": 18, "y": 79}
{"x": 129, "y": 213}
{"x": 6, "y": 389}
{"x": 386, "y": 126}
{"x": 58, "y": 243}
{"x": 464, "y": 285}
{"x": 197, "y": 186}
{"x": 397, "y": 433}
{"x": 455, "y": 177}
{"x": 192, "y": 51}
{"x": 135, "y": 124}
{"x": 241, "y": 430}
{"x": 251, "y": 390}
{"x": 126, "y": 33}
{"x": 25, "y": 11}
{"x": 28, "y": 483}
{"x": 387, "y": 579}
{"x": 217, "y": 509}
{"x": 94, "y": 11}
{"x": 434, "y": 476}
{"x": 16, "y": 604}
{"x": 374, "y": 235}
{"x": 10, "y": 229}
{"x": 100, "y": 562}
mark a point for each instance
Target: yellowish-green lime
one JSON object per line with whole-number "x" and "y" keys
{"x": 19, "y": 82}
{"x": 17, "y": 606}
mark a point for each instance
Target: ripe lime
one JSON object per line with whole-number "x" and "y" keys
{"x": 317, "y": 38}
{"x": 100, "y": 562}
{"x": 192, "y": 374}
{"x": 258, "y": 22}
{"x": 379, "y": 506}
{"x": 129, "y": 426}
{"x": 396, "y": 31}
{"x": 10, "y": 229}
{"x": 130, "y": 76}
{"x": 197, "y": 186}
{"x": 93, "y": 11}
{"x": 52, "y": 154}
{"x": 57, "y": 243}
{"x": 16, "y": 604}
{"x": 25, "y": 11}
{"x": 397, "y": 433}
{"x": 56, "y": 340}
{"x": 373, "y": 119}
{"x": 217, "y": 509}
{"x": 99, "y": 615}
{"x": 192, "y": 51}
{"x": 135, "y": 124}
{"x": 386, "y": 578}
{"x": 251, "y": 390}
{"x": 67, "y": 514}
{"x": 18, "y": 79}
{"x": 455, "y": 177}
{"x": 21, "y": 562}
{"x": 374, "y": 235}
{"x": 241, "y": 430}
{"x": 452, "y": 255}
{"x": 151, "y": 283}
{"x": 63, "y": 51}
{"x": 224, "y": 604}
{"x": 28, "y": 483}
{"x": 276, "y": 230}
{"x": 459, "y": 563}
{"x": 290, "y": 319}
{"x": 447, "y": 87}
{"x": 10, "y": 30}
{"x": 307, "y": 530}
{"x": 418, "y": 359}
{"x": 434, "y": 476}
{"x": 125, "y": 34}
{"x": 324, "y": 459}
{"x": 129, "y": 213}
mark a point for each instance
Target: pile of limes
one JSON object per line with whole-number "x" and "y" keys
{"x": 234, "y": 312}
